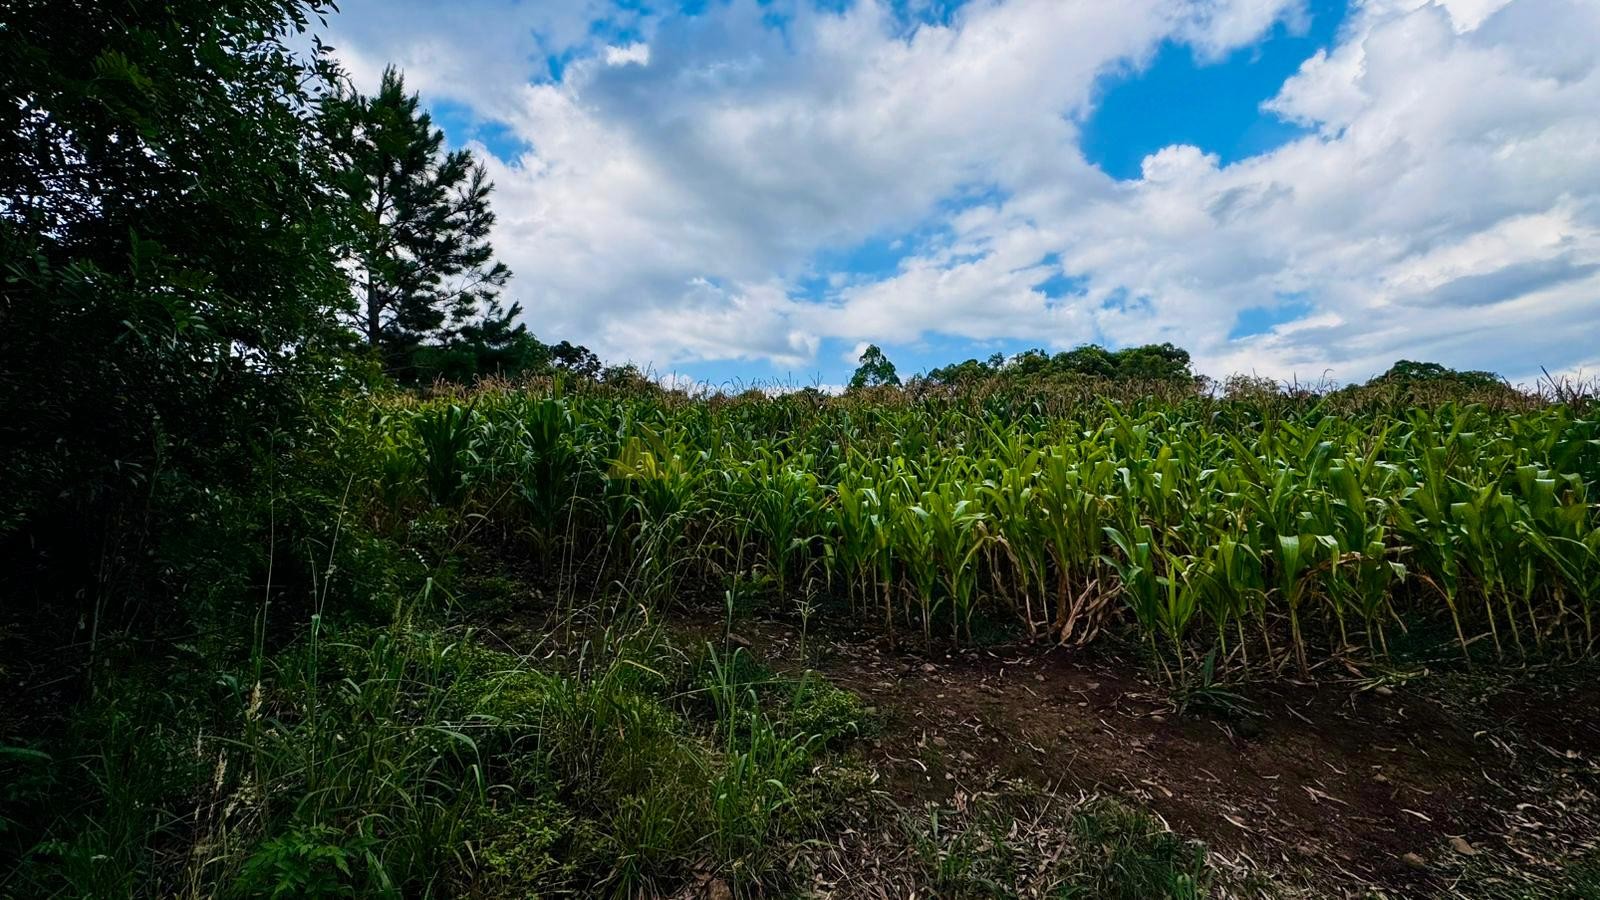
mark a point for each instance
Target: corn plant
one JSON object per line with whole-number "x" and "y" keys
{"x": 1268, "y": 530}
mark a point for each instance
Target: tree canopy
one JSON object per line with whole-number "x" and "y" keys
{"x": 168, "y": 237}
{"x": 1411, "y": 372}
{"x": 875, "y": 370}
{"x": 1150, "y": 362}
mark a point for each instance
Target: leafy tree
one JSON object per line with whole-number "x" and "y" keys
{"x": 875, "y": 370}
{"x": 1154, "y": 362}
{"x": 1027, "y": 364}
{"x": 575, "y": 358}
{"x": 963, "y": 373}
{"x": 1408, "y": 371}
{"x": 421, "y": 245}
{"x": 1091, "y": 360}
{"x": 168, "y": 283}
{"x": 494, "y": 346}
{"x": 1151, "y": 362}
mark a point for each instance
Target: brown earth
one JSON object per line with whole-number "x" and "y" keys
{"x": 1354, "y": 785}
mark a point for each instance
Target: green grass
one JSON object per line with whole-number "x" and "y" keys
{"x": 399, "y": 761}
{"x": 1019, "y": 843}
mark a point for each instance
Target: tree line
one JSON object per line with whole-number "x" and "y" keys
{"x": 1163, "y": 363}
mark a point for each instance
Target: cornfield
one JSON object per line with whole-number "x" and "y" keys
{"x": 1267, "y": 533}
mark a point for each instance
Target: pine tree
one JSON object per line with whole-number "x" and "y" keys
{"x": 424, "y": 264}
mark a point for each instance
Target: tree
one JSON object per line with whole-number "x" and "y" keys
{"x": 170, "y": 295}
{"x": 967, "y": 372}
{"x": 875, "y": 370}
{"x": 1411, "y": 372}
{"x": 493, "y": 344}
{"x": 575, "y": 358}
{"x": 425, "y": 267}
{"x": 1154, "y": 362}
{"x": 1091, "y": 360}
{"x": 1027, "y": 364}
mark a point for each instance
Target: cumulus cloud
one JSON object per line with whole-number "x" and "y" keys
{"x": 681, "y": 181}
{"x": 1446, "y": 207}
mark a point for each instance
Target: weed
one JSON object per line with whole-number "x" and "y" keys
{"x": 1018, "y": 843}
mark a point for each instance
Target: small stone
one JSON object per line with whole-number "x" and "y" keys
{"x": 1461, "y": 846}
{"x": 1414, "y": 860}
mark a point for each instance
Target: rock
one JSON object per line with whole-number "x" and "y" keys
{"x": 1414, "y": 860}
{"x": 1461, "y": 846}
{"x": 717, "y": 889}
{"x": 929, "y": 667}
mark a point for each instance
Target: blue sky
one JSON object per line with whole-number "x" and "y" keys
{"x": 741, "y": 191}
{"x": 1214, "y": 104}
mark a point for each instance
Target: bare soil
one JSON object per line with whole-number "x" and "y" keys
{"x": 1351, "y": 785}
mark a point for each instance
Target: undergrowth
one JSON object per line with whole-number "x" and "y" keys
{"x": 1020, "y": 843}
{"x": 409, "y": 760}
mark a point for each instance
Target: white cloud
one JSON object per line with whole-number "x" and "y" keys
{"x": 476, "y": 52}
{"x": 678, "y": 187}
{"x": 631, "y": 54}
{"x": 1451, "y": 209}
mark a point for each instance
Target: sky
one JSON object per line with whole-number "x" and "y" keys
{"x": 737, "y": 192}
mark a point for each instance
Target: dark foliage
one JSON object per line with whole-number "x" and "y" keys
{"x": 170, "y": 295}
{"x": 1411, "y": 372}
{"x": 1150, "y": 363}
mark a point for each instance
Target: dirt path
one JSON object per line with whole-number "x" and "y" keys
{"x": 1346, "y": 786}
